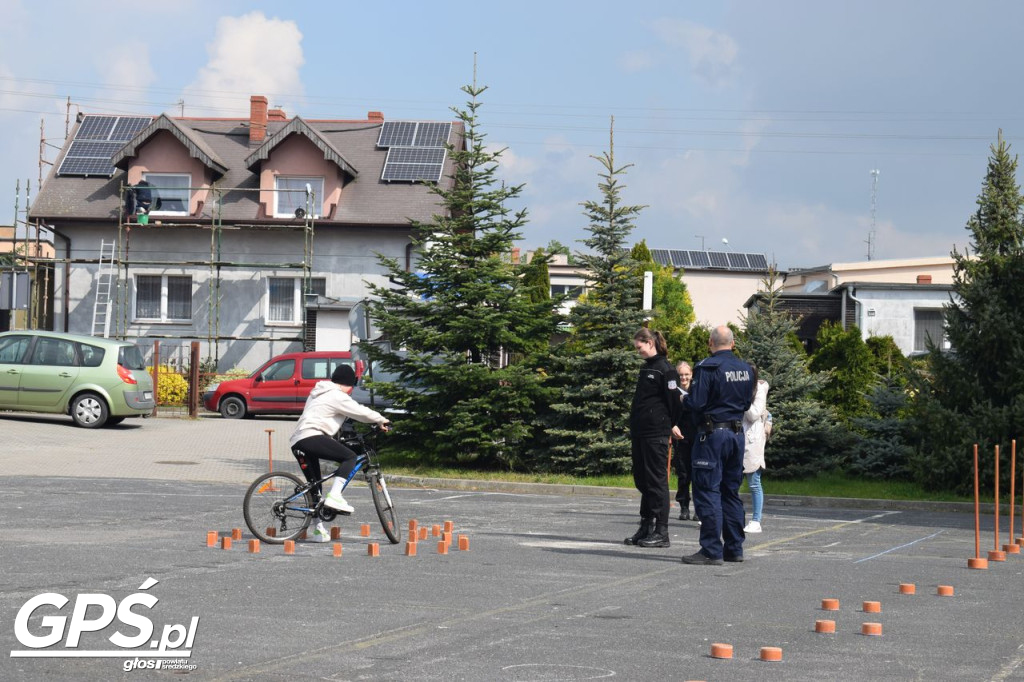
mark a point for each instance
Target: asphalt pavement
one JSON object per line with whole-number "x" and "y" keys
{"x": 545, "y": 591}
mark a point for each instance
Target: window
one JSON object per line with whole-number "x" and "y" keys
{"x": 170, "y": 193}
{"x": 163, "y": 298}
{"x": 284, "y": 298}
{"x": 57, "y": 352}
{"x": 572, "y": 291}
{"x": 92, "y": 356}
{"x": 291, "y": 196}
{"x": 927, "y": 325}
{"x": 12, "y": 349}
{"x": 282, "y": 370}
{"x": 322, "y": 368}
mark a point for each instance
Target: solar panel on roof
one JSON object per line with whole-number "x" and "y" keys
{"x": 96, "y": 128}
{"x": 414, "y": 163}
{"x": 680, "y": 259}
{"x": 127, "y": 126}
{"x": 432, "y": 134}
{"x": 661, "y": 257}
{"x": 718, "y": 259}
{"x": 757, "y": 261}
{"x": 737, "y": 260}
{"x": 397, "y": 134}
{"x": 97, "y": 139}
{"x": 699, "y": 259}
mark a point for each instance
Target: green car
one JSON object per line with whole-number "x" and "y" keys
{"x": 97, "y": 381}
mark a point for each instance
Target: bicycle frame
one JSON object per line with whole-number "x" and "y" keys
{"x": 361, "y": 460}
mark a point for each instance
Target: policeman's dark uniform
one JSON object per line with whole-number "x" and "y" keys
{"x": 720, "y": 393}
{"x": 655, "y": 409}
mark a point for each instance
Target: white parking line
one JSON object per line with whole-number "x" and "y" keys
{"x": 913, "y": 542}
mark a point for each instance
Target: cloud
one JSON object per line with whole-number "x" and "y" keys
{"x": 249, "y": 55}
{"x": 713, "y": 55}
{"x": 125, "y": 64}
{"x": 638, "y": 60}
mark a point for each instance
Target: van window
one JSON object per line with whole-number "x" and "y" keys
{"x": 130, "y": 357}
{"x": 12, "y": 349}
{"x": 281, "y": 370}
{"x": 315, "y": 368}
{"x": 92, "y": 356}
{"x": 57, "y": 352}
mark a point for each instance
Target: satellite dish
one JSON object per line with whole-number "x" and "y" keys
{"x": 300, "y": 213}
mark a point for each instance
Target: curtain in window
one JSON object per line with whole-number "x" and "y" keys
{"x": 147, "y": 297}
{"x": 179, "y": 298}
{"x": 927, "y": 324}
{"x": 282, "y": 299}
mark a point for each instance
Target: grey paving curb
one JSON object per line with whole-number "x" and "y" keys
{"x": 630, "y": 493}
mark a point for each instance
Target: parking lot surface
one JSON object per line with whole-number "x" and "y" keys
{"x": 546, "y": 590}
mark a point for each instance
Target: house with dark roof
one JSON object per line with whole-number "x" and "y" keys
{"x": 254, "y": 236}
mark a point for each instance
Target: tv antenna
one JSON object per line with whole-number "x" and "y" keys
{"x": 874, "y": 204}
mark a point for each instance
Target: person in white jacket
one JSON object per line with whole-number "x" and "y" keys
{"x": 756, "y": 426}
{"x": 327, "y": 407}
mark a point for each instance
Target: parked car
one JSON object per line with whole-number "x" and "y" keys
{"x": 280, "y": 386}
{"x": 97, "y": 381}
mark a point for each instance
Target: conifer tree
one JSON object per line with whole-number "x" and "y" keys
{"x": 452, "y": 324}
{"x": 805, "y": 434}
{"x": 976, "y": 393}
{"x": 846, "y": 359}
{"x": 596, "y": 374}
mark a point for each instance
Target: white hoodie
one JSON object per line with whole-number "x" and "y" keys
{"x": 753, "y": 429}
{"x": 326, "y": 408}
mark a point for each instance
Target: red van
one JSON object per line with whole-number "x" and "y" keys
{"x": 281, "y": 386}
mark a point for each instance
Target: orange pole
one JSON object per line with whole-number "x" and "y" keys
{"x": 997, "y": 500}
{"x": 977, "y": 511}
{"x": 1013, "y": 483}
{"x": 270, "y": 447}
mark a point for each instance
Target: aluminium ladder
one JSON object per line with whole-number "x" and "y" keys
{"x": 105, "y": 279}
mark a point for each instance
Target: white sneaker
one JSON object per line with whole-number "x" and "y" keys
{"x": 319, "y": 533}
{"x": 752, "y": 527}
{"x": 336, "y": 501}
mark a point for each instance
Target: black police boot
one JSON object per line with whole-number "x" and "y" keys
{"x": 657, "y": 538}
{"x": 643, "y": 531}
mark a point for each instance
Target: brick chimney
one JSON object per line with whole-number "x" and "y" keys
{"x": 515, "y": 255}
{"x": 257, "y": 118}
{"x": 276, "y": 115}
{"x": 375, "y": 115}
{"x": 924, "y": 279}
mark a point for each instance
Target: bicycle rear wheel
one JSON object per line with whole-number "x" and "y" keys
{"x": 385, "y": 508}
{"x": 268, "y": 515}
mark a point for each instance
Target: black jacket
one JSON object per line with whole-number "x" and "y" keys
{"x": 656, "y": 404}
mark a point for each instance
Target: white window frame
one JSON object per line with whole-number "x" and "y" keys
{"x": 298, "y": 302}
{"x": 285, "y": 203}
{"x": 932, "y": 312}
{"x": 167, "y": 183}
{"x": 164, "y": 299}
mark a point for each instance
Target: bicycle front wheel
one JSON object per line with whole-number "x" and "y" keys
{"x": 273, "y": 511}
{"x": 385, "y": 508}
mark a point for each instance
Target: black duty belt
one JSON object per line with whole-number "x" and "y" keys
{"x": 734, "y": 426}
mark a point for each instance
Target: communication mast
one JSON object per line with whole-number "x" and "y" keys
{"x": 874, "y": 202}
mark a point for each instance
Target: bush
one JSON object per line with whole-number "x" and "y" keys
{"x": 172, "y": 388}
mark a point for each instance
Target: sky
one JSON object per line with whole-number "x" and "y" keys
{"x": 813, "y": 132}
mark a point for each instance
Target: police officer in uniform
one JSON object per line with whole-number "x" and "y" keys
{"x": 655, "y": 409}
{"x": 719, "y": 395}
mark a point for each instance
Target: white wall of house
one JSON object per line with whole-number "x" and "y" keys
{"x": 882, "y": 312}
{"x": 718, "y": 295}
{"x": 344, "y": 257}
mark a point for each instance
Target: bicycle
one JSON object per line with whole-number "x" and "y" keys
{"x": 279, "y": 506}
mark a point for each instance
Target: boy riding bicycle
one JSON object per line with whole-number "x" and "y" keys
{"x": 328, "y": 405}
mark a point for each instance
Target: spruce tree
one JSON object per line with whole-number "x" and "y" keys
{"x": 805, "y": 434}
{"x": 452, "y": 324}
{"x": 976, "y": 393}
{"x": 596, "y": 373}
{"x": 844, "y": 356}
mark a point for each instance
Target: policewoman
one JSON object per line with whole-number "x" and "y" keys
{"x": 655, "y": 409}
{"x": 719, "y": 394}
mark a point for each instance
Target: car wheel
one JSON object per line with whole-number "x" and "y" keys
{"x": 89, "y": 411}
{"x": 232, "y": 407}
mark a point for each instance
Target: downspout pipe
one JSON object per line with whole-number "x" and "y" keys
{"x": 851, "y": 292}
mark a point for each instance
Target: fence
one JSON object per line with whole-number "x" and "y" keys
{"x": 179, "y": 377}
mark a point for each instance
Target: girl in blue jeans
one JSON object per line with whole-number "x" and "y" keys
{"x": 756, "y": 427}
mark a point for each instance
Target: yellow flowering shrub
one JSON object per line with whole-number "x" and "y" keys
{"x": 172, "y": 388}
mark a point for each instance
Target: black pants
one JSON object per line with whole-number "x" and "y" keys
{"x": 683, "y": 465}
{"x": 309, "y": 452}
{"x": 650, "y": 475}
